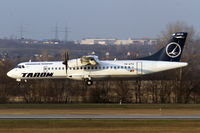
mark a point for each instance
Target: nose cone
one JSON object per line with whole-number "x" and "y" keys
{"x": 10, "y": 74}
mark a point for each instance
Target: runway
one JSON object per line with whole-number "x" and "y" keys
{"x": 67, "y": 117}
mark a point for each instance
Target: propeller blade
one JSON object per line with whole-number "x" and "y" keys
{"x": 67, "y": 56}
{"x": 66, "y": 60}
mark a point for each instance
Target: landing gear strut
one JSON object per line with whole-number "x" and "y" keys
{"x": 18, "y": 83}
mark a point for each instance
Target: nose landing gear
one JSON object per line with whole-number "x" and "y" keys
{"x": 19, "y": 81}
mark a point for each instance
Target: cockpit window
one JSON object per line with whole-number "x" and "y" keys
{"x": 20, "y": 66}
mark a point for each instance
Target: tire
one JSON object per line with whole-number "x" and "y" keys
{"x": 89, "y": 82}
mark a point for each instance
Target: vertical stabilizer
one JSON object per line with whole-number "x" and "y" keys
{"x": 172, "y": 51}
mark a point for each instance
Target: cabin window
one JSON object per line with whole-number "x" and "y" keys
{"x": 59, "y": 68}
{"x": 52, "y": 68}
{"x": 74, "y": 68}
{"x": 88, "y": 67}
{"x": 129, "y": 67}
{"x": 81, "y": 68}
{"x": 63, "y": 68}
{"x": 92, "y": 67}
{"x": 118, "y": 67}
{"x": 77, "y": 68}
{"x": 122, "y": 67}
{"x": 49, "y": 68}
{"x": 114, "y": 67}
{"x": 125, "y": 67}
{"x": 55, "y": 68}
{"x": 95, "y": 67}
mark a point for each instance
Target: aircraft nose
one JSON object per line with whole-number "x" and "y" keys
{"x": 10, "y": 74}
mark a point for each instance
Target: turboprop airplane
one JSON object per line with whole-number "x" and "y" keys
{"x": 90, "y": 68}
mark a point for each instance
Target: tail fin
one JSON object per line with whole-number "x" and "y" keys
{"x": 172, "y": 51}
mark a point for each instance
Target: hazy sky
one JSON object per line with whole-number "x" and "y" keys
{"x": 95, "y": 18}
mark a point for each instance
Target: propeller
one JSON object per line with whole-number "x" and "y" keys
{"x": 66, "y": 61}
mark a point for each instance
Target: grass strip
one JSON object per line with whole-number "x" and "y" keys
{"x": 97, "y": 123}
{"x": 98, "y": 106}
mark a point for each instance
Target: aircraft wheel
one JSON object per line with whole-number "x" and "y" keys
{"x": 89, "y": 82}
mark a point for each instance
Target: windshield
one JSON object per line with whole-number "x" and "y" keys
{"x": 20, "y": 66}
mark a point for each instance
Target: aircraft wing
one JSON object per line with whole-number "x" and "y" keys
{"x": 89, "y": 60}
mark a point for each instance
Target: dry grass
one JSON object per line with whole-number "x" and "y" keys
{"x": 102, "y": 111}
{"x": 131, "y": 109}
{"x": 103, "y": 130}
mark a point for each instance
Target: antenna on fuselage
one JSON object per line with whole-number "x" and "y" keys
{"x": 66, "y": 61}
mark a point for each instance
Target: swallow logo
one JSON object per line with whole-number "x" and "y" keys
{"x": 173, "y": 50}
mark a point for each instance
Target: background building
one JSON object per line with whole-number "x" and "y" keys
{"x": 97, "y": 41}
{"x": 118, "y": 42}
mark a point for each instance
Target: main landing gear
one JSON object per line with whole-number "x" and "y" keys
{"x": 88, "y": 81}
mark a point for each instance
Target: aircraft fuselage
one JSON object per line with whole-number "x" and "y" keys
{"x": 105, "y": 69}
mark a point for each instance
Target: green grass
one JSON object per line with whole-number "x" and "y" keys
{"x": 100, "y": 126}
{"x": 96, "y": 123}
{"x": 97, "y": 106}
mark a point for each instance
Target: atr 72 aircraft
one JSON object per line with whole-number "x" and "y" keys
{"x": 90, "y": 68}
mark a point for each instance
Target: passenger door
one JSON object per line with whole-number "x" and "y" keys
{"x": 45, "y": 69}
{"x": 139, "y": 68}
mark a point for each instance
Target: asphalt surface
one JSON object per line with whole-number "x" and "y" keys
{"x": 65, "y": 117}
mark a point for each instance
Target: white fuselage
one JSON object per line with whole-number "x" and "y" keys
{"x": 76, "y": 70}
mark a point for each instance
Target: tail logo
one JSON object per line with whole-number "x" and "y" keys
{"x": 173, "y": 50}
